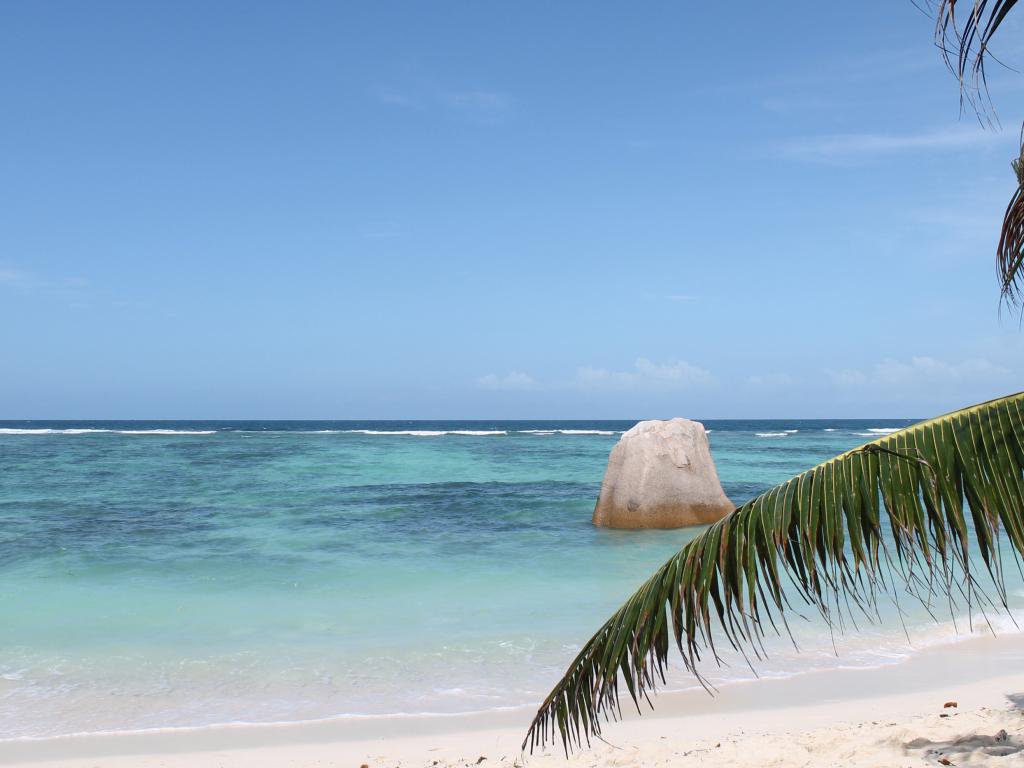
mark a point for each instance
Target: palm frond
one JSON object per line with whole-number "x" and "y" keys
{"x": 901, "y": 513}
{"x": 1010, "y": 251}
{"x": 964, "y": 36}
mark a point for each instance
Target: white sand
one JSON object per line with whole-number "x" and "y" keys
{"x": 892, "y": 716}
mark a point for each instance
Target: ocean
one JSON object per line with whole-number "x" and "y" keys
{"x": 177, "y": 574}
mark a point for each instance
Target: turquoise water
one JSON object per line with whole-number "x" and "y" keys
{"x": 191, "y": 573}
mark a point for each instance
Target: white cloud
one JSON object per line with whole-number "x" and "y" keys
{"x": 72, "y": 288}
{"x": 394, "y": 98}
{"x": 645, "y": 374}
{"x": 511, "y": 381}
{"x": 856, "y": 146}
{"x": 481, "y": 106}
{"x": 918, "y": 372}
{"x": 847, "y": 377}
{"x": 14, "y": 278}
{"x": 776, "y": 380}
{"x": 387, "y": 230}
{"x": 789, "y": 105}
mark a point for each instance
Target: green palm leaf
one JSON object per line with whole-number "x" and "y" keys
{"x": 942, "y": 489}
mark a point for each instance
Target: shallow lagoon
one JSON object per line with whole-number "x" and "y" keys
{"x": 160, "y": 574}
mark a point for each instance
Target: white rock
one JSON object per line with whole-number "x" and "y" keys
{"x": 661, "y": 475}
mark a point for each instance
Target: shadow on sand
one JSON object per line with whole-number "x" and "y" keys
{"x": 972, "y": 747}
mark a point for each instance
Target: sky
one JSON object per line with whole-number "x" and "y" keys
{"x": 491, "y": 210}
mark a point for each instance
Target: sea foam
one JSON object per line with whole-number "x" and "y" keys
{"x": 566, "y": 432}
{"x": 12, "y": 431}
{"x": 424, "y": 432}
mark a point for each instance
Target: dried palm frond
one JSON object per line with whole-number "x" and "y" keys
{"x": 963, "y": 31}
{"x": 1010, "y": 251}
{"x": 964, "y": 36}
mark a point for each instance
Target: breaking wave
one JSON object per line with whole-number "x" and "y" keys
{"x": 12, "y": 431}
{"x": 420, "y": 432}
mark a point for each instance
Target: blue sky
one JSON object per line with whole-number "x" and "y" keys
{"x": 483, "y": 210}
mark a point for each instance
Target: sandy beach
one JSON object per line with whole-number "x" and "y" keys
{"x": 894, "y": 715}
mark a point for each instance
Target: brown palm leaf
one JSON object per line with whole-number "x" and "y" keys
{"x": 964, "y": 32}
{"x": 1010, "y": 251}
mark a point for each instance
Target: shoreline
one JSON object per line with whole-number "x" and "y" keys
{"x": 978, "y": 672}
{"x": 518, "y": 712}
